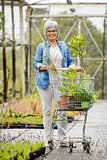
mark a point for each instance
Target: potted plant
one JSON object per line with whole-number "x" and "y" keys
{"x": 37, "y": 150}
{"x": 79, "y": 87}
{"x": 66, "y": 88}
{"x": 22, "y": 149}
{"x": 76, "y": 44}
{"x": 20, "y": 121}
{"x": 83, "y": 92}
{"x": 64, "y": 98}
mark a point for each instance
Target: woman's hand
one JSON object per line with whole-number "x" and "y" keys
{"x": 74, "y": 67}
{"x": 44, "y": 67}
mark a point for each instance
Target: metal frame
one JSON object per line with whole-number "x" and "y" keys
{"x": 79, "y": 20}
{"x": 9, "y": 43}
{"x": 79, "y": 30}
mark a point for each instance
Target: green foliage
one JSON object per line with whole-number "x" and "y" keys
{"x": 9, "y": 71}
{"x": 16, "y": 117}
{"x": 1, "y": 18}
{"x": 32, "y": 97}
{"x": 81, "y": 88}
{"x": 8, "y": 95}
{"x": 65, "y": 25}
{"x": 11, "y": 115}
{"x": 1, "y": 97}
{"x": 20, "y": 150}
{"x": 76, "y": 44}
{"x": 64, "y": 90}
{"x": 67, "y": 84}
{"x": 1, "y": 112}
{"x": 83, "y": 91}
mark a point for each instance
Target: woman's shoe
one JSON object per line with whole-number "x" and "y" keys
{"x": 51, "y": 144}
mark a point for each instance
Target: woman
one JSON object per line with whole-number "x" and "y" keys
{"x": 57, "y": 53}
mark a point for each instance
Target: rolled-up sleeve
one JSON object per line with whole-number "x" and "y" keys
{"x": 38, "y": 57}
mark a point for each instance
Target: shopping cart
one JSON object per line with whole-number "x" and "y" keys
{"x": 73, "y": 91}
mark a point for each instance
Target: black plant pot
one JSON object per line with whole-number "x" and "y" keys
{"x": 36, "y": 154}
{"x": 42, "y": 150}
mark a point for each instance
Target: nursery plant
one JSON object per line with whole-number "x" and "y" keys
{"x": 28, "y": 120}
{"x": 21, "y": 150}
{"x": 67, "y": 84}
{"x": 66, "y": 88}
{"x": 76, "y": 45}
{"x": 79, "y": 87}
{"x": 84, "y": 91}
{"x": 11, "y": 117}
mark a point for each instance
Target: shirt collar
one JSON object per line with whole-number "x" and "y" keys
{"x": 48, "y": 44}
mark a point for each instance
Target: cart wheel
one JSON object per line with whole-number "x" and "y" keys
{"x": 51, "y": 145}
{"x": 84, "y": 146}
{"x": 88, "y": 148}
{"x": 71, "y": 148}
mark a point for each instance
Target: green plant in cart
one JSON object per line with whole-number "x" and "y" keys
{"x": 76, "y": 44}
{"x": 68, "y": 84}
{"x": 63, "y": 90}
{"x": 79, "y": 89}
{"x": 83, "y": 92}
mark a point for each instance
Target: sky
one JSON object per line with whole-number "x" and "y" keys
{"x": 78, "y": 10}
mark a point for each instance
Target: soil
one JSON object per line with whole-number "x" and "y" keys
{"x": 24, "y": 106}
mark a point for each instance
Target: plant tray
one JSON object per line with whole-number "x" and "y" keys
{"x": 18, "y": 126}
{"x": 38, "y": 153}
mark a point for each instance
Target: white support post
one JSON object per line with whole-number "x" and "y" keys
{"x": 22, "y": 52}
{"x": 79, "y": 31}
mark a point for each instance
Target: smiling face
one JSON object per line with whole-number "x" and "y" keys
{"x": 52, "y": 34}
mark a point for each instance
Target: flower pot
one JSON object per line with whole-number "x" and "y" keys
{"x": 42, "y": 150}
{"x": 59, "y": 104}
{"x": 34, "y": 155}
{"x": 78, "y": 104}
{"x": 11, "y": 123}
{"x": 5, "y": 124}
{"x": 64, "y": 102}
{"x": 32, "y": 124}
{"x": 38, "y": 153}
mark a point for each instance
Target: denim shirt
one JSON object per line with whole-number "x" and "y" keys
{"x": 42, "y": 57}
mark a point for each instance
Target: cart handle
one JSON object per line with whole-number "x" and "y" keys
{"x": 78, "y": 70}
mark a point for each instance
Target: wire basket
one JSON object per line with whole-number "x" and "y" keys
{"x": 72, "y": 90}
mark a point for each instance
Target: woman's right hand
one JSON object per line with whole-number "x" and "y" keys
{"x": 44, "y": 67}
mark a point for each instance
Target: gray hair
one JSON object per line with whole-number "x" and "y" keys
{"x": 50, "y": 24}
